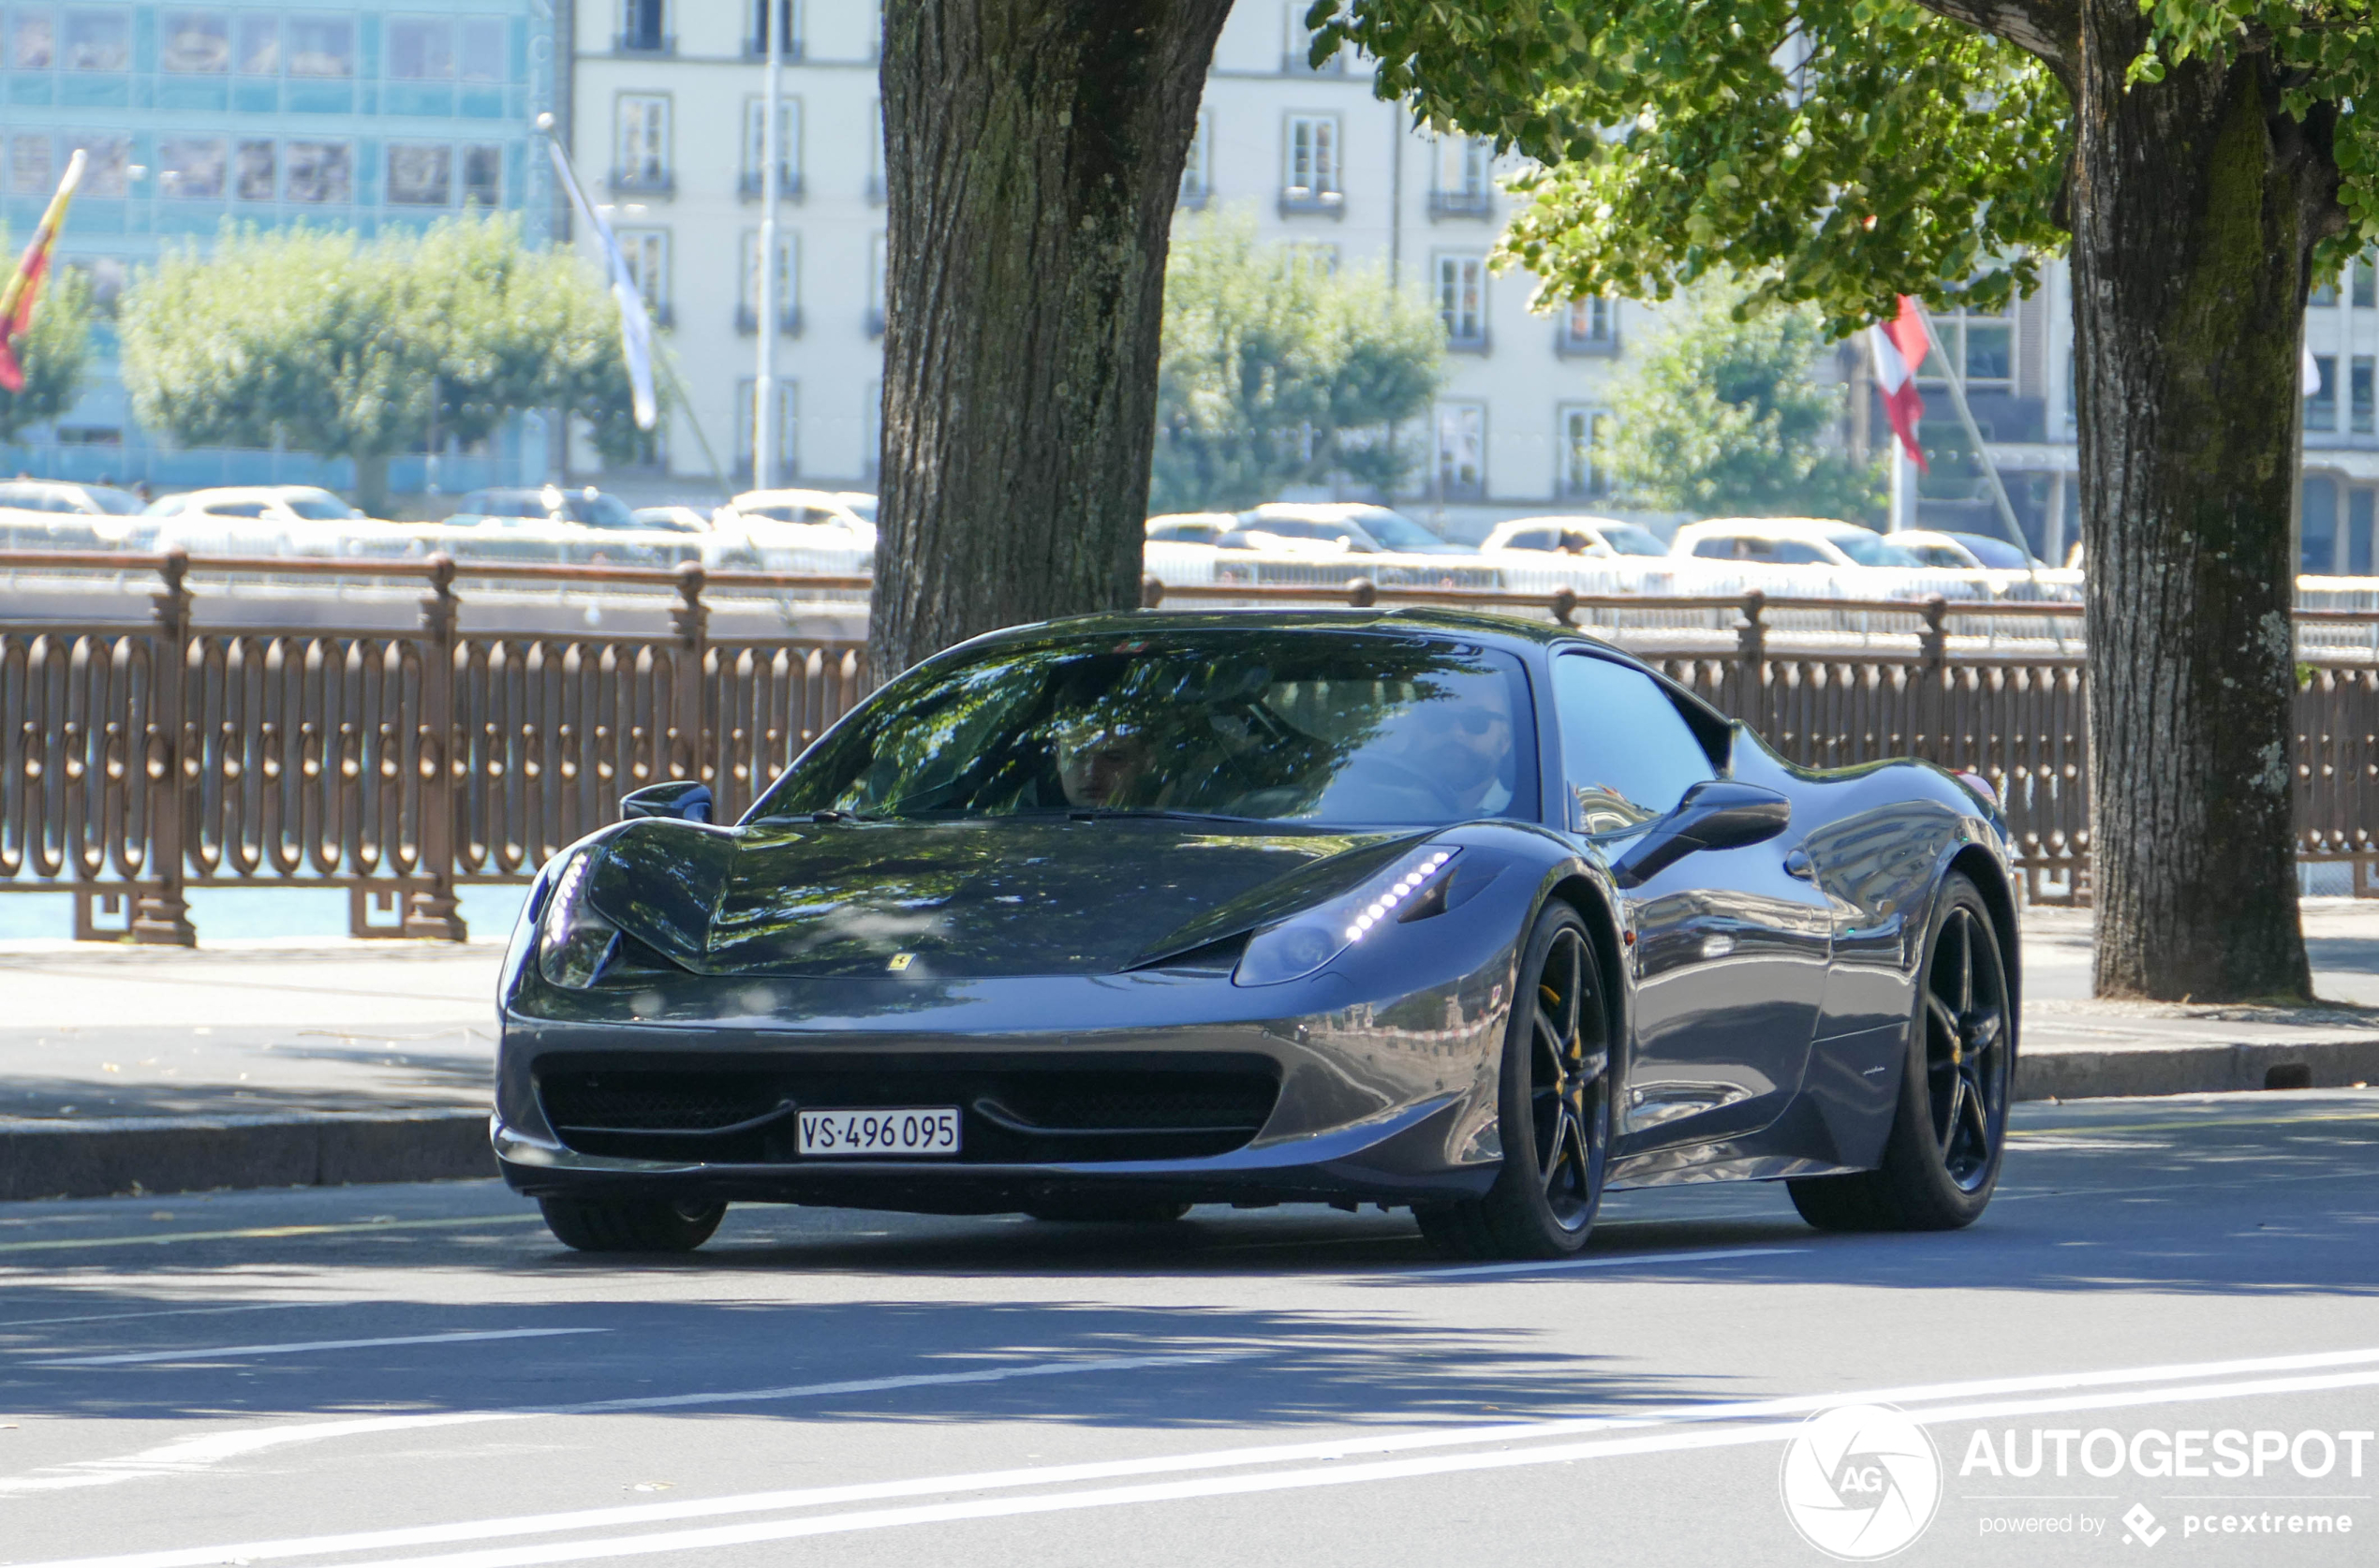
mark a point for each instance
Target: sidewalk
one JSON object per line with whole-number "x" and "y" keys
{"x": 297, "y": 1062}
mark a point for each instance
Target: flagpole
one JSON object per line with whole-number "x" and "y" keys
{"x": 1903, "y": 489}
{"x": 772, "y": 20}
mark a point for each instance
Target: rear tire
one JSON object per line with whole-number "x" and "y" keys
{"x": 1949, "y": 1131}
{"x": 631, "y": 1225}
{"x": 1555, "y": 1109}
{"x": 1107, "y": 1211}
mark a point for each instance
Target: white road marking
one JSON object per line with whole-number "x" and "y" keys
{"x": 215, "y": 1352}
{"x": 171, "y": 1312}
{"x": 1769, "y": 1419}
{"x": 189, "y": 1454}
{"x": 1611, "y": 1260}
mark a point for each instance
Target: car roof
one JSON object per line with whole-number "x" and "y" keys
{"x": 1775, "y": 528}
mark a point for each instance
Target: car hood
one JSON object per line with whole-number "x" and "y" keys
{"x": 987, "y": 897}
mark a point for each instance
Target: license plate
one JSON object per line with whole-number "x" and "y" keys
{"x": 929, "y": 1131}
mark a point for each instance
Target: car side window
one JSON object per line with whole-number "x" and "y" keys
{"x": 1793, "y": 551}
{"x": 1719, "y": 549}
{"x": 236, "y": 509}
{"x": 1627, "y": 754}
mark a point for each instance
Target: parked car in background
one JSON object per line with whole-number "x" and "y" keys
{"x": 676, "y": 520}
{"x": 586, "y": 507}
{"x": 794, "y": 530}
{"x": 1574, "y": 536}
{"x": 1385, "y": 527}
{"x": 581, "y": 525}
{"x": 1789, "y": 541}
{"x": 1963, "y": 551}
{"x": 1299, "y": 536}
{"x": 1191, "y": 527}
{"x": 273, "y": 520}
{"x": 69, "y": 516}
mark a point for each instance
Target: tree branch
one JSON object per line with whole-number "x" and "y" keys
{"x": 2050, "y": 30}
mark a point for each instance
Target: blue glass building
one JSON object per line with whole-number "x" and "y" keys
{"x": 194, "y": 115}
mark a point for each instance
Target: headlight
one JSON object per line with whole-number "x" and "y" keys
{"x": 574, "y": 942}
{"x": 1411, "y": 888}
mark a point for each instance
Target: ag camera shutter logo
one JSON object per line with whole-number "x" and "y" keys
{"x": 1860, "y": 1482}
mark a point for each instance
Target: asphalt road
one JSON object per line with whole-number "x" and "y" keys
{"x": 419, "y": 1375}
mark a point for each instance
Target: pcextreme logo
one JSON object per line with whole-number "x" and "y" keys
{"x": 1860, "y": 1482}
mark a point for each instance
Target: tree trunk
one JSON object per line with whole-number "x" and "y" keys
{"x": 2195, "y": 202}
{"x": 1034, "y": 150}
{"x": 372, "y": 484}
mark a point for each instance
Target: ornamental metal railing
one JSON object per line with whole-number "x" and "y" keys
{"x": 141, "y": 759}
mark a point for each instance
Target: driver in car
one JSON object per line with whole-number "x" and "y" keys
{"x": 1464, "y": 749}
{"x": 1103, "y": 765}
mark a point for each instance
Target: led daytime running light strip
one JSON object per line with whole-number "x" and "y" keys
{"x": 1407, "y": 885}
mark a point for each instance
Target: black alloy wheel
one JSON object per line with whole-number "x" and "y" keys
{"x": 630, "y": 1225}
{"x": 1949, "y": 1131}
{"x": 1556, "y": 1109}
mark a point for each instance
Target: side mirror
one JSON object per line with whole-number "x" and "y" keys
{"x": 1715, "y": 814}
{"x": 680, "y": 798}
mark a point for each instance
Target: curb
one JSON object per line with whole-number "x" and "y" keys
{"x": 196, "y": 1154}
{"x": 2214, "y": 1068}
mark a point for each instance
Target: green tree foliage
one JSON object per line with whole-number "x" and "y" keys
{"x": 1277, "y": 371}
{"x": 330, "y": 344}
{"x": 1840, "y": 151}
{"x": 51, "y": 354}
{"x": 1722, "y": 415}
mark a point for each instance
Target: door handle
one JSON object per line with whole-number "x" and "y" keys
{"x": 1796, "y": 864}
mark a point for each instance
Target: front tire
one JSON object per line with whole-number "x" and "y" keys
{"x": 1949, "y": 1131}
{"x": 1555, "y": 1109}
{"x": 631, "y": 1225}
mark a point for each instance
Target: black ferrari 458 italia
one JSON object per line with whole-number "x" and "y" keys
{"x": 1103, "y": 918}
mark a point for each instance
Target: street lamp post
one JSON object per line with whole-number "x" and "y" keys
{"x": 771, "y": 21}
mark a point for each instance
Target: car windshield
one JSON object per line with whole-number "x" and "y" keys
{"x": 1994, "y": 553}
{"x": 1869, "y": 548}
{"x": 1630, "y": 540}
{"x": 1273, "y": 726}
{"x": 599, "y": 512}
{"x": 1398, "y": 531}
{"x": 320, "y": 507}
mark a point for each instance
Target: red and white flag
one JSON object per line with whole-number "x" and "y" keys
{"x": 1900, "y": 344}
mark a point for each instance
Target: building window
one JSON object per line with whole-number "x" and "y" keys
{"x": 32, "y": 39}
{"x": 1297, "y": 45}
{"x": 108, "y": 169}
{"x": 875, "y": 151}
{"x": 2325, "y": 294}
{"x": 1197, "y": 169}
{"x": 643, "y": 27}
{"x": 2317, "y": 526}
{"x": 1461, "y": 450}
{"x": 192, "y": 168}
{"x": 2320, "y": 398}
{"x": 1589, "y": 326}
{"x": 2358, "y": 385}
{"x": 787, "y": 422}
{"x": 646, "y": 252}
{"x": 1583, "y": 440}
{"x": 787, "y": 283}
{"x": 1983, "y": 346}
{"x": 483, "y": 176}
{"x": 1309, "y": 182}
{"x": 481, "y": 56}
{"x": 254, "y": 171}
{"x": 789, "y": 19}
{"x": 2358, "y": 533}
{"x": 321, "y": 45}
{"x": 260, "y": 51}
{"x": 788, "y": 146}
{"x": 323, "y": 171}
{"x": 1459, "y": 182}
{"x": 98, "y": 40}
{"x": 197, "y": 43}
{"x": 29, "y": 167}
{"x": 644, "y": 144}
{"x": 875, "y": 286}
{"x": 1462, "y": 302}
{"x": 421, "y": 49}
{"x": 421, "y": 176}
